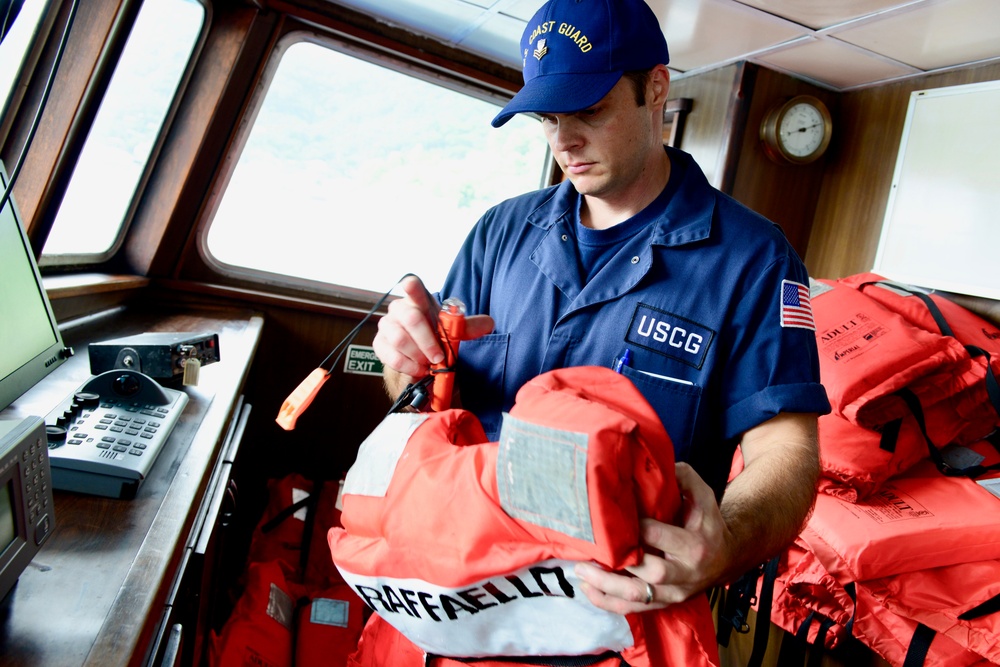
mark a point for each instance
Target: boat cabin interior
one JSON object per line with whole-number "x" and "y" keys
{"x": 240, "y": 185}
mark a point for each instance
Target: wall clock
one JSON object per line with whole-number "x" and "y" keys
{"x": 796, "y": 131}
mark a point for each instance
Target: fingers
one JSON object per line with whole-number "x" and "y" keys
{"x": 679, "y": 561}
{"x": 477, "y": 326}
{"x": 407, "y": 339}
{"x": 617, "y": 593}
{"x": 698, "y": 495}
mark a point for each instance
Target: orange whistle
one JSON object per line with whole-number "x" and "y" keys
{"x": 300, "y": 398}
{"x": 451, "y": 328}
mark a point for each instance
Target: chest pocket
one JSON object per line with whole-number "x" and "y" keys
{"x": 675, "y": 402}
{"x": 481, "y": 366}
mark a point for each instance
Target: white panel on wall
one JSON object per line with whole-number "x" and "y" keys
{"x": 942, "y": 223}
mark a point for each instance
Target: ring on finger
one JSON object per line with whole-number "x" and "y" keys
{"x": 649, "y": 593}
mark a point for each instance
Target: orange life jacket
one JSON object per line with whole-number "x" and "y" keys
{"x": 901, "y": 388}
{"x": 292, "y": 529}
{"x": 941, "y": 617}
{"x": 903, "y": 641}
{"x": 856, "y": 461}
{"x": 261, "y": 628}
{"x": 959, "y": 602}
{"x": 868, "y": 353}
{"x": 295, "y": 608}
{"x": 467, "y": 547}
{"x": 809, "y": 602}
{"x": 918, "y": 520}
{"x": 974, "y": 411}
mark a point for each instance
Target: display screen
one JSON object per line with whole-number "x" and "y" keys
{"x": 8, "y": 529}
{"x": 25, "y": 328}
{"x": 32, "y": 344}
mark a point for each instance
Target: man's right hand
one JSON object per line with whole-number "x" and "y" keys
{"x": 407, "y": 340}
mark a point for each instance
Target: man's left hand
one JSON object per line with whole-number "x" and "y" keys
{"x": 681, "y": 560}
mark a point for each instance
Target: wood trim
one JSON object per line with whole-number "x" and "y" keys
{"x": 190, "y": 162}
{"x": 674, "y": 113}
{"x": 84, "y": 284}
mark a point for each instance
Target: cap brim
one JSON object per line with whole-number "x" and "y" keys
{"x": 559, "y": 93}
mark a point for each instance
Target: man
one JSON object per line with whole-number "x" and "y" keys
{"x": 635, "y": 260}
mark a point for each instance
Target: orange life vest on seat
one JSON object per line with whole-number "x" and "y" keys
{"x": 918, "y": 520}
{"x": 467, "y": 547}
{"x": 975, "y": 411}
{"x": 960, "y": 602}
{"x": 898, "y": 639}
{"x": 868, "y": 353}
{"x": 809, "y": 602}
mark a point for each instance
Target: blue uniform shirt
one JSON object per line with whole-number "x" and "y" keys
{"x": 697, "y": 297}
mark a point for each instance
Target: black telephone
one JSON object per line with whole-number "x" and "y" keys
{"x": 104, "y": 438}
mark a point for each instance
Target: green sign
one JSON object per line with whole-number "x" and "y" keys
{"x": 361, "y": 360}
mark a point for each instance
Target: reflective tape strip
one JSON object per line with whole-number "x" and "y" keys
{"x": 537, "y": 610}
{"x": 542, "y": 477}
{"x": 379, "y": 453}
{"x": 330, "y": 612}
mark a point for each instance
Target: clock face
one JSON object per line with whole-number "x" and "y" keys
{"x": 801, "y": 130}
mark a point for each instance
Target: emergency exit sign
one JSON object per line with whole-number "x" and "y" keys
{"x": 361, "y": 360}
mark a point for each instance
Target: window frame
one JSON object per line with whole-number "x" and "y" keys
{"x": 369, "y": 52}
{"x": 48, "y": 262}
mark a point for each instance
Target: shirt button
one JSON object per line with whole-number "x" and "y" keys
{"x": 565, "y": 238}
{"x": 635, "y": 260}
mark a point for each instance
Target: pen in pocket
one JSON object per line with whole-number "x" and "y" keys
{"x": 621, "y": 361}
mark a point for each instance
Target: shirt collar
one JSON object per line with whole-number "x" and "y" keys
{"x": 687, "y": 218}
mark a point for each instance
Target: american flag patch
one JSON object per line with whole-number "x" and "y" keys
{"x": 796, "y": 309}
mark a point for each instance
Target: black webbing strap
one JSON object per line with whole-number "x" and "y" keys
{"x": 819, "y": 646}
{"x": 763, "y": 629}
{"x": 920, "y": 643}
{"x": 307, "y": 529}
{"x": 310, "y": 503}
{"x": 793, "y": 647}
{"x": 990, "y": 606}
{"x": 285, "y": 513}
{"x": 992, "y": 385}
{"x": 547, "y": 661}
{"x": 913, "y": 403}
{"x": 736, "y": 603}
{"x": 852, "y": 592}
{"x": 890, "y": 435}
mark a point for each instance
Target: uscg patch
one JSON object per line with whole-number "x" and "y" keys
{"x": 670, "y": 335}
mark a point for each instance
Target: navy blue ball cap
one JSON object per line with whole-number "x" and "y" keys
{"x": 575, "y": 51}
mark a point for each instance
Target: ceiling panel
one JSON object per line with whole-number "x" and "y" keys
{"x": 701, "y": 33}
{"x": 496, "y": 38}
{"x": 932, "y": 35}
{"x": 841, "y": 45}
{"x": 445, "y": 20}
{"x": 833, "y": 63}
{"x": 818, "y": 15}
{"x": 520, "y": 9}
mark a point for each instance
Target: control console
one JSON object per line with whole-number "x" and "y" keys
{"x": 104, "y": 438}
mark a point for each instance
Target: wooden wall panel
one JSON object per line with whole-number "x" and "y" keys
{"x": 784, "y": 193}
{"x": 859, "y": 170}
{"x": 708, "y": 125}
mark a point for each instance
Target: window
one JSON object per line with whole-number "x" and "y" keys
{"x": 355, "y": 174}
{"x": 15, "y": 43}
{"x": 128, "y": 124}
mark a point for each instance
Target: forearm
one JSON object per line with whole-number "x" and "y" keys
{"x": 765, "y": 506}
